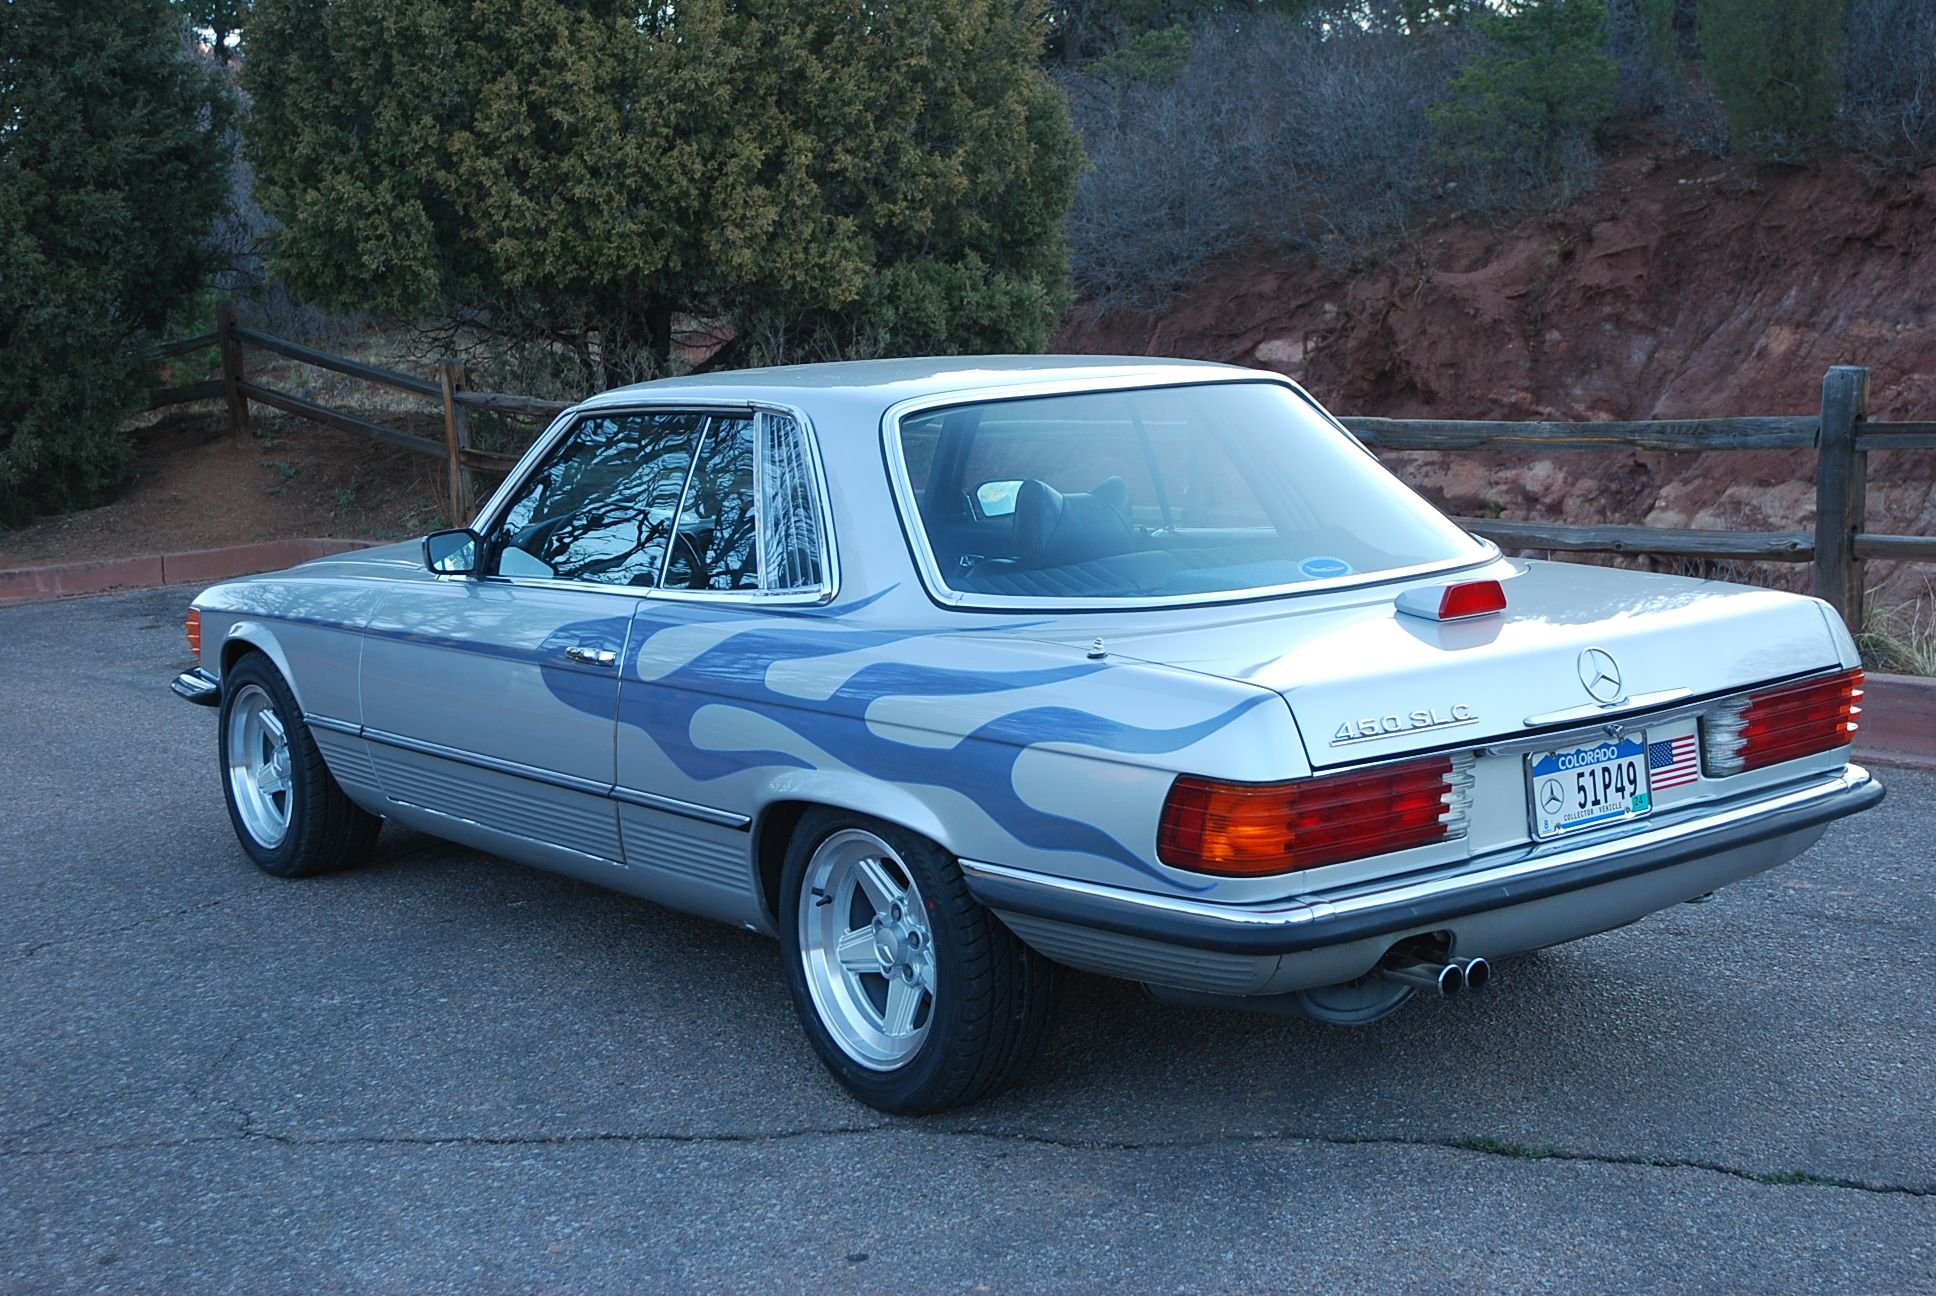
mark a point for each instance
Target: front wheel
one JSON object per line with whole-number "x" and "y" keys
{"x": 289, "y": 814}
{"x": 914, "y": 996}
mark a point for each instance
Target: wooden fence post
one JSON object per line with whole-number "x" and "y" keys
{"x": 450, "y": 377}
{"x": 1841, "y": 492}
{"x": 227, "y": 321}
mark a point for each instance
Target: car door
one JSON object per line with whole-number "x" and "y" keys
{"x": 490, "y": 699}
{"x": 750, "y": 546}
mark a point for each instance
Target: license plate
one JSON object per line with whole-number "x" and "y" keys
{"x": 1588, "y": 787}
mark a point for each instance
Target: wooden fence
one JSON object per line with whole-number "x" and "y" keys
{"x": 1840, "y": 437}
{"x": 446, "y": 388}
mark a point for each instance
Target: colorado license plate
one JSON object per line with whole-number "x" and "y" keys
{"x": 1585, "y": 787}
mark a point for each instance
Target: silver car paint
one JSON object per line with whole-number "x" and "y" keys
{"x": 997, "y": 735}
{"x": 1492, "y": 934}
{"x": 1352, "y": 657}
{"x": 473, "y": 667}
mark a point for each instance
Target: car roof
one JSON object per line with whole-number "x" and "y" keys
{"x": 882, "y": 383}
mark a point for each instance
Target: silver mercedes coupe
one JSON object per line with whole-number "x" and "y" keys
{"x": 951, "y": 672}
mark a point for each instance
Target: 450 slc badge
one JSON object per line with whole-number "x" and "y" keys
{"x": 1370, "y": 727}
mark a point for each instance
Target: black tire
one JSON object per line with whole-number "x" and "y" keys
{"x": 992, "y": 995}
{"x": 325, "y": 831}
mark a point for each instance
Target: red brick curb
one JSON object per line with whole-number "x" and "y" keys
{"x": 195, "y": 567}
{"x": 1898, "y": 722}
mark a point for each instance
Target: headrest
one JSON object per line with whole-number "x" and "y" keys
{"x": 1052, "y": 529}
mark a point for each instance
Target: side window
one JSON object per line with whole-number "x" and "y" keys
{"x": 788, "y": 505}
{"x": 919, "y": 439}
{"x": 716, "y": 545}
{"x": 602, "y": 509}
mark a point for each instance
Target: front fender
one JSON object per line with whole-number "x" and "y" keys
{"x": 311, "y": 630}
{"x": 246, "y": 634}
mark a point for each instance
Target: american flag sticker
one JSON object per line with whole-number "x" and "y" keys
{"x": 1673, "y": 762}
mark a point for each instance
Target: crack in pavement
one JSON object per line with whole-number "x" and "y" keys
{"x": 24, "y": 952}
{"x": 1469, "y": 1147}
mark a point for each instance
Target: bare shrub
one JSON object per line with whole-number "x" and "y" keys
{"x": 1358, "y": 129}
{"x": 1269, "y": 129}
{"x": 1889, "y": 107}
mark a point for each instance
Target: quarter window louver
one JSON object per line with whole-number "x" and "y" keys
{"x": 792, "y": 526}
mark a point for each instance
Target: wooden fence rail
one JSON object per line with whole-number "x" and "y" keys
{"x": 1786, "y": 433}
{"x": 324, "y": 360}
{"x": 1840, "y": 437}
{"x": 446, "y": 388}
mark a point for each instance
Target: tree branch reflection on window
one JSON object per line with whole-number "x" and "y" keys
{"x": 603, "y": 509}
{"x": 716, "y": 546}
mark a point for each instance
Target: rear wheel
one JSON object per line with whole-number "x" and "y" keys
{"x": 289, "y": 814}
{"x": 913, "y": 995}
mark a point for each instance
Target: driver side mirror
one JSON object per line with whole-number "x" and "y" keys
{"x": 452, "y": 553}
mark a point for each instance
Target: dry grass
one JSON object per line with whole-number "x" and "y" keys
{"x": 1899, "y": 637}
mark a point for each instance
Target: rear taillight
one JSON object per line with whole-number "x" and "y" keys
{"x": 192, "y": 627}
{"x": 1781, "y": 724}
{"x": 1253, "y": 829}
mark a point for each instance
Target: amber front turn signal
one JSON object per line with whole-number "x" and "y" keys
{"x": 192, "y": 627}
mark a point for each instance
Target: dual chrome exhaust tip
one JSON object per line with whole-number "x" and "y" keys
{"x": 1445, "y": 979}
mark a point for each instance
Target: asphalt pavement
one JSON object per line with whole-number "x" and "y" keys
{"x": 447, "y": 1072}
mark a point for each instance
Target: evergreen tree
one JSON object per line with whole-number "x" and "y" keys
{"x": 222, "y": 20}
{"x": 1543, "y": 81}
{"x": 112, "y": 171}
{"x": 824, "y": 176}
{"x": 1777, "y": 67}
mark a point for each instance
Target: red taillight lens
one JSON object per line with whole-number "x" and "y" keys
{"x": 1474, "y": 598}
{"x": 1795, "y": 720}
{"x": 192, "y": 627}
{"x": 1454, "y": 602}
{"x": 1253, "y": 829}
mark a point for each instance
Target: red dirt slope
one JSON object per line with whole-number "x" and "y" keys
{"x": 1682, "y": 287}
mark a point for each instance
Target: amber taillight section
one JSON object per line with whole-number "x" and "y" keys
{"x": 192, "y": 627}
{"x": 1254, "y": 829}
{"x": 1796, "y": 720}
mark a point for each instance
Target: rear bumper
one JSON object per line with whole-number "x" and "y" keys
{"x": 1619, "y": 878}
{"x": 197, "y": 686}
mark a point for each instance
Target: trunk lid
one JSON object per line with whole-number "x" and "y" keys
{"x": 1366, "y": 682}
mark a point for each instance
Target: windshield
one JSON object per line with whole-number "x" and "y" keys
{"x": 1157, "y": 493}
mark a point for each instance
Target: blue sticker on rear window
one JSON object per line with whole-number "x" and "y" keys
{"x": 1324, "y": 567}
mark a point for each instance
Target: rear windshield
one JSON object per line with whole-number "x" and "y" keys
{"x": 1157, "y": 493}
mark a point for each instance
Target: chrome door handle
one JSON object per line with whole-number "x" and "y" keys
{"x": 592, "y": 656}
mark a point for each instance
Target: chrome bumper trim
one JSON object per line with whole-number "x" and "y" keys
{"x": 197, "y": 686}
{"x": 1472, "y": 886}
{"x": 689, "y": 809}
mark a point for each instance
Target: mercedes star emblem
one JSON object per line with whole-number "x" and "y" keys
{"x": 1600, "y": 675}
{"x": 1551, "y": 796}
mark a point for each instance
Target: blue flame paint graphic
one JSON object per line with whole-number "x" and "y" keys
{"x": 733, "y": 673}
